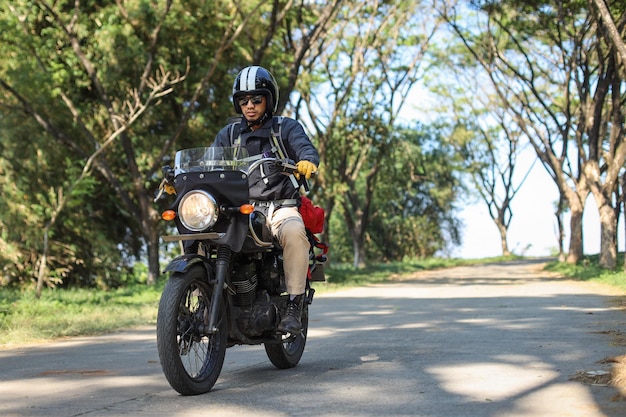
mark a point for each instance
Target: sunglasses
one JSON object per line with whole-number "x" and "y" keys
{"x": 254, "y": 99}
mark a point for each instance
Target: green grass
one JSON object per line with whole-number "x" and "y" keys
{"x": 341, "y": 276}
{"x": 588, "y": 270}
{"x": 63, "y": 313}
{"x": 60, "y": 313}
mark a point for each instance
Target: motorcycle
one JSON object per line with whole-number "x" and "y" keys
{"x": 228, "y": 286}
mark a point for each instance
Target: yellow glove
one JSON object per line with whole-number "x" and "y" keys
{"x": 306, "y": 168}
{"x": 169, "y": 188}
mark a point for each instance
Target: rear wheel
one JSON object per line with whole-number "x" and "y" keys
{"x": 287, "y": 353}
{"x": 191, "y": 358}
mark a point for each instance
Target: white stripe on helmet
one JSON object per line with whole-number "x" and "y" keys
{"x": 242, "y": 78}
{"x": 247, "y": 81}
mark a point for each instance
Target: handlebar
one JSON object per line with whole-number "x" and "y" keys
{"x": 286, "y": 165}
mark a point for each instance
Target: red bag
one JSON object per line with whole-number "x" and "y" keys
{"x": 313, "y": 216}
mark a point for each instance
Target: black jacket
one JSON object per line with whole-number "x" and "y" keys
{"x": 266, "y": 185}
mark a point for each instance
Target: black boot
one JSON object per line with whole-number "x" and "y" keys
{"x": 291, "y": 322}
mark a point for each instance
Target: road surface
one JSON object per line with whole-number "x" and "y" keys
{"x": 485, "y": 341}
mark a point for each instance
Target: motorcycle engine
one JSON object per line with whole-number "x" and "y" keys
{"x": 244, "y": 279}
{"x": 256, "y": 313}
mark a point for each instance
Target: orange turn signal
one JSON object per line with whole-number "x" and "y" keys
{"x": 246, "y": 208}
{"x": 168, "y": 215}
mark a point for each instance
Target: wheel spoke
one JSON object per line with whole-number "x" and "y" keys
{"x": 191, "y": 358}
{"x": 193, "y": 347}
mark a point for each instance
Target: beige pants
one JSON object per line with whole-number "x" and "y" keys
{"x": 288, "y": 228}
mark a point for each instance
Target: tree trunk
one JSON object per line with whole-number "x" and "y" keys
{"x": 152, "y": 243}
{"x": 624, "y": 211}
{"x": 150, "y": 219}
{"x": 328, "y": 212}
{"x": 154, "y": 268}
{"x": 560, "y": 226}
{"x": 356, "y": 220}
{"x": 576, "y": 201}
{"x": 575, "y": 253}
{"x": 43, "y": 263}
{"x": 355, "y": 229}
{"x": 608, "y": 233}
{"x": 359, "y": 254}
{"x": 602, "y": 194}
{"x": 503, "y": 240}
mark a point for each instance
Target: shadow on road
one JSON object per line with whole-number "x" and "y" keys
{"x": 484, "y": 342}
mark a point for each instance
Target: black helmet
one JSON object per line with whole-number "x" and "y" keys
{"x": 256, "y": 80}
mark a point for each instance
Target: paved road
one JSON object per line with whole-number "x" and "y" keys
{"x": 498, "y": 340}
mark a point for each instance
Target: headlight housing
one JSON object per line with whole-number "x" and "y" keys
{"x": 198, "y": 210}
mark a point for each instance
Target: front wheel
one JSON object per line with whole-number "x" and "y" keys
{"x": 288, "y": 352}
{"x": 191, "y": 358}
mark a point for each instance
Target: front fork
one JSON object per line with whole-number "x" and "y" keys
{"x": 221, "y": 271}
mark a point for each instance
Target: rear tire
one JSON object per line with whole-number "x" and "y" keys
{"x": 288, "y": 353}
{"x": 191, "y": 359}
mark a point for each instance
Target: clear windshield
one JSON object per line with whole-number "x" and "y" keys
{"x": 211, "y": 159}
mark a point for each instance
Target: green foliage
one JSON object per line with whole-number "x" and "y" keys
{"x": 414, "y": 204}
{"x": 59, "y": 115}
{"x": 343, "y": 275}
{"x": 367, "y": 71}
{"x": 72, "y": 70}
{"x": 588, "y": 269}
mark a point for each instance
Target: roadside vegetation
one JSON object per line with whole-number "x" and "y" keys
{"x": 62, "y": 313}
{"x": 588, "y": 269}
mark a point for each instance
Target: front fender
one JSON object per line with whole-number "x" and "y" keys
{"x": 184, "y": 262}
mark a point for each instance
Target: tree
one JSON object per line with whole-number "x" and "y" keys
{"x": 368, "y": 68}
{"x": 555, "y": 78}
{"x": 613, "y": 32}
{"x": 70, "y": 68}
{"x": 90, "y": 102}
{"x": 614, "y": 35}
{"x": 486, "y": 140}
{"x": 491, "y": 156}
{"x": 415, "y": 202}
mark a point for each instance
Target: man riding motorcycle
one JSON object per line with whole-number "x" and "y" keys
{"x": 255, "y": 96}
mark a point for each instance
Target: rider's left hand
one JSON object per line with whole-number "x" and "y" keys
{"x": 306, "y": 168}
{"x": 169, "y": 188}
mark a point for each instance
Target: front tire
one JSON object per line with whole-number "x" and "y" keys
{"x": 191, "y": 359}
{"x": 287, "y": 353}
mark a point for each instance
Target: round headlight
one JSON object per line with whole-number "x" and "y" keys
{"x": 198, "y": 210}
